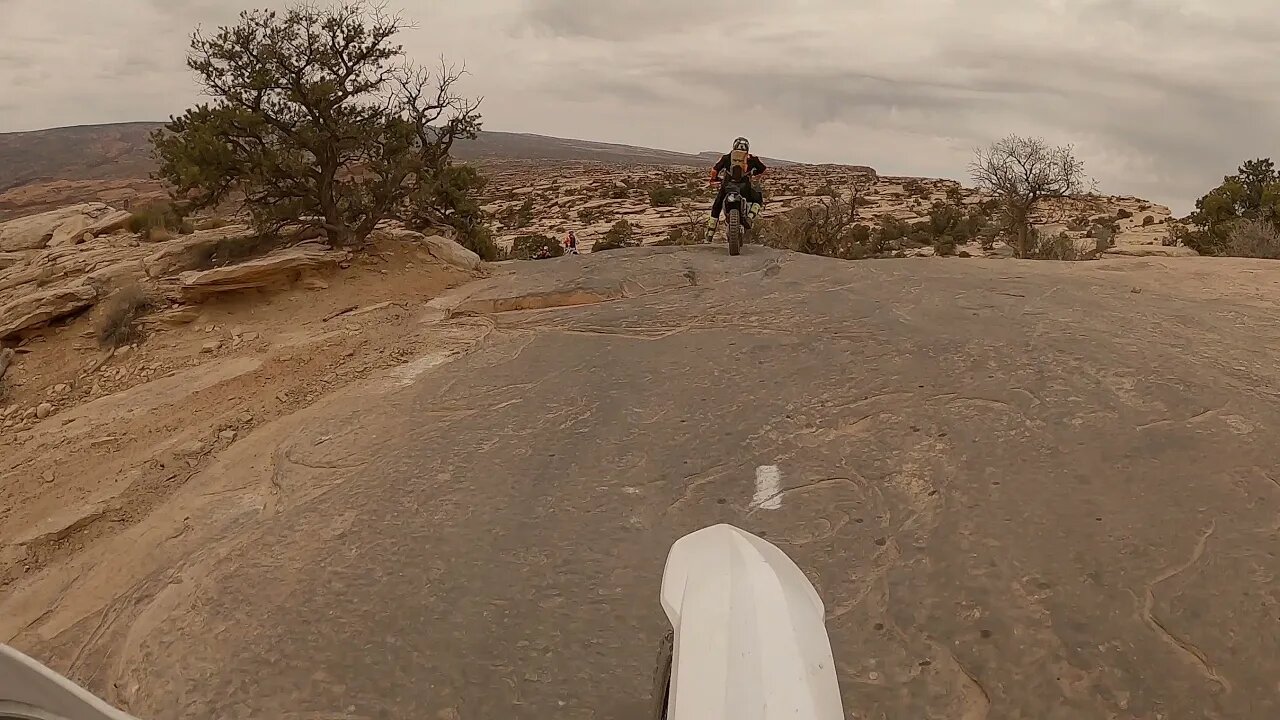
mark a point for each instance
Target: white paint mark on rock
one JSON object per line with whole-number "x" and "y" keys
{"x": 768, "y": 488}
{"x": 405, "y": 375}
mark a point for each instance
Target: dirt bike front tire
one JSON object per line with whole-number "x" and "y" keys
{"x": 735, "y": 232}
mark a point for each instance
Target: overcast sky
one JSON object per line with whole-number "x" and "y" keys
{"x": 1161, "y": 97}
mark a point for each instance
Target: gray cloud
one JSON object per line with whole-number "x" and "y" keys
{"x": 1161, "y": 97}
{"x": 630, "y": 20}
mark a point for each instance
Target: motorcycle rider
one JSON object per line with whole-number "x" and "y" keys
{"x": 751, "y": 165}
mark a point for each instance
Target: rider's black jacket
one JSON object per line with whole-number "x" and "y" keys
{"x": 754, "y": 165}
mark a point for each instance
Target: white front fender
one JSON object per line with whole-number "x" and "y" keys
{"x": 750, "y": 637}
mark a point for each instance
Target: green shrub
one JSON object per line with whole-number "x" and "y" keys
{"x": 665, "y": 196}
{"x": 478, "y": 238}
{"x": 891, "y": 235}
{"x": 536, "y": 247}
{"x": 452, "y": 198}
{"x": 915, "y": 188}
{"x": 621, "y": 235}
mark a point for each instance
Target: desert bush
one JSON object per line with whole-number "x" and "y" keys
{"x": 914, "y": 188}
{"x": 524, "y": 214}
{"x": 1104, "y": 233}
{"x": 1055, "y": 247}
{"x": 535, "y": 247}
{"x": 450, "y": 197}
{"x": 954, "y": 222}
{"x": 158, "y": 216}
{"x": 828, "y": 227}
{"x": 891, "y": 235}
{"x": 478, "y": 238}
{"x": 1123, "y": 214}
{"x": 683, "y": 236}
{"x": 666, "y": 196}
{"x": 1148, "y": 220}
{"x": 1254, "y": 239}
{"x": 1205, "y": 242}
{"x": 117, "y": 324}
{"x": 987, "y": 236}
{"x": 621, "y": 235}
{"x": 693, "y": 229}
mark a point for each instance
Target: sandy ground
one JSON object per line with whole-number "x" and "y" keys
{"x": 1023, "y": 489}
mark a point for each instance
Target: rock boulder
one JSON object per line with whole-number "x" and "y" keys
{"x": 439, "y": 247}
{"x": 64, "y": 226}
{"x": 278, "y": 268}
{"x": 38, "y": 308}
{"x": 188, "y": 252}
{"x": 1151, "y": 251}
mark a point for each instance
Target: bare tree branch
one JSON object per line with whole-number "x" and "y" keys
{"x": 1023, "y": 172}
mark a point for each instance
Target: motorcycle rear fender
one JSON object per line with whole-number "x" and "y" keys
{"x": 750, "y": 638}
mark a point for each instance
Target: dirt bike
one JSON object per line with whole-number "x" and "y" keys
{"x": 748, "y": 636}
{"x": 738, "y": 222}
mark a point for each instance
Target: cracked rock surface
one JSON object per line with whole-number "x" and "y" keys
{"x": 1021, "y": 489}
